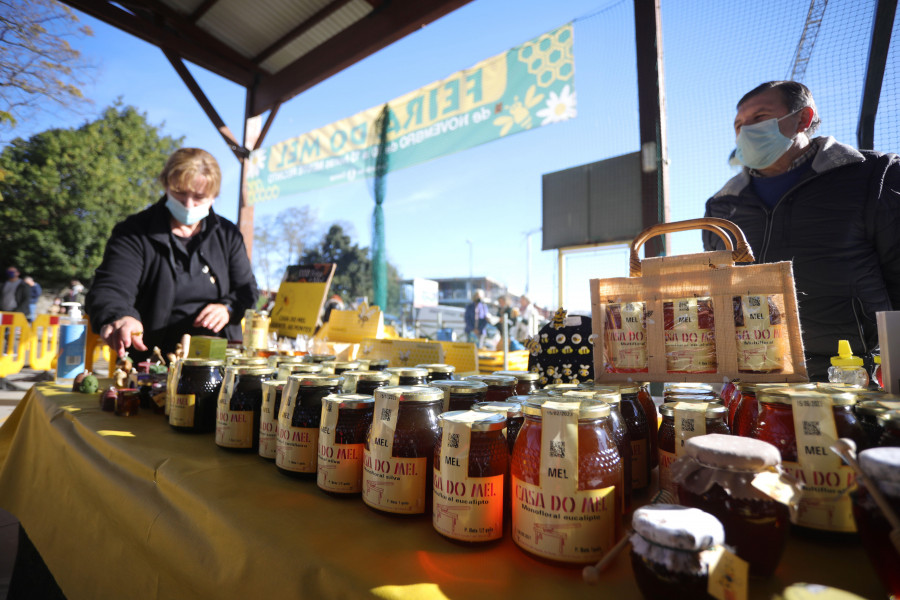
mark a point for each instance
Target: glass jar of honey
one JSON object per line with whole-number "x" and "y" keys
{"x": 365, "y": 382}
{"x": 745, "y": 410}
{"x": 868, "y": 411}
{"x": 193, "y": 407}
{"x": 890, "y": 428}
{"x": 760, "y": 334}
{"x": 239, "y": 407}
{"x": 407, "y": 375}
{"x": 500, "y": 387}
{"x": 671, "y": 551}
{"x": 298, "y": 423}
{"x": 341, "y": 366}
{"x": 567, "y": 481}
{"x": 288, "y": 369}
{"x": 471, "y": 463}
{"x": 461, "y": 394}
{"x": 345, "y": 421}
{"x": 725, "y": 475}
{"x": 438, "y": 371}
{"x": 399, "y": 456}
{"x": 652, "y": 413}
{"x": 268, "y": 417}
{"x": 378, "y": 364}
{"x": 882, "y": 466}
{"x": 526, "y": 381}
{"x": 682, "y": 421}
{"x": 513, "y": 413}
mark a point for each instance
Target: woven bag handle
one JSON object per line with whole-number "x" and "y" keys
{"x": 720, "y": 227}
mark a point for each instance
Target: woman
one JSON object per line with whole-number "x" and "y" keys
{"x": 173, "y": 268}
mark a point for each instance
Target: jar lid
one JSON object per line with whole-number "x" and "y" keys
{"x": 249, "y": 360}
{"x": 791, "y": 395}
{"x": 881, "y": 464}
{"x": 494, "y": 380}
{"x": 313, "y": 380}
{"x": 202, "y": 362}
{"x": 411, "y": 393}
{"x": 252, "y": 370}
{"x": 369, "y": 375}
{"x": 587, "y": 409}
{"x": 560, "y": 387}
{"x": 732, "y": 451}
{"x": 714, "y": 410}
{"x": 814, "y": 591}
{"x": 690, "y": 398}
{"x": 288, "y": 359}
{"x": 464, "y": 386}
{"x": 678, "y": 527}
{"x": 622, "y": 388}
{"x": 510, "y": 409}
{"x": 480, "y": 421}
{"x": 351, "y": 401}
{"x": 278, "y": 384}
{"x": 301, "y": 367}
{"x": 746, "y": 386}
{"x": 687, "y": 388}
{"x": 438, "y": 368}
{"x": 408, "y": 371}
{"x": 519, "y": 375}
{"x": 378, "y": 362}
{"x": 891, "y": 417}
{"x": 347, "y": 365}
{"x": 320, "y": 358}
{"x": 872, "y": 408}
{"x": 863, "y": 395}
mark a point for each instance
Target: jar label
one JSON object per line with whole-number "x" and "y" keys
{"x": 468, "y": 509}
{"x": 181, "y": 413}
{"x": 690, "y": 421}
{"x": 297, "y": 448}
{"x": 665, "y": 474}
{"x": 340, "y": 467}
{"x": 384, "y": 423}
{"x": 268, "y": 422}
{"x": 759, "y": 334}
{"x": 172, "y": 377}
{"x": 626, "y": 337}
{"x": 234, "y": 428}
{"x": 559, "y": 448}
{"x": 728, "y": 577}
{"x": 825, "y": 501}
{"x": 690, "y": 335}
{"x": 639, "y": 472}
{"x": 576, "y": 527}
{"x": 396, "y": 485}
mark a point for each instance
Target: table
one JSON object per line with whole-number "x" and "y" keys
{"x": 125, "y": 507}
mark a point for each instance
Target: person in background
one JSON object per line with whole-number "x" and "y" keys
{"x": 831, "y": 209}
{"x": 527, "y": 326}
{"x": 476, "y": 317}
{"x": 174, "y": 268}
{"x": 15, "y": 294}
{"x": 333, "y": 303}
{"x": 35, "y": 291}
{"x": 55, "y": 307}
{"x": 505, "y": 309}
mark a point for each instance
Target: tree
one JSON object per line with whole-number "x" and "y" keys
{"x": 63, "y": 190}
{"x": 37, "y": 61}
{"x": 279, "y": 241}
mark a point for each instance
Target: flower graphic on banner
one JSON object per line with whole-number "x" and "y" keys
{"x": 559, "y": 108}
{"x": 255, "y": 163}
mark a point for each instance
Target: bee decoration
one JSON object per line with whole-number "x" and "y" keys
{"x": 560, "y": 338}
{"x": 365, "y": 313}
{"x": 576, "y": 338}
{"x": 567, "y": 369}
{"x": 519, "y": 112}
{"x": 545, "y": 338}
{"x": 559, "y": 318}
{"x": 584, "y": 350}
{"x": 583, "y": 370}
{"x": 403, "y": 357}
{"x": 567, "y": 350}
{"x": 533, "y": 345}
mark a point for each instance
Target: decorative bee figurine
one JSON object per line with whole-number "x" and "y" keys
{"x": 559, "y": 318}
{"x": 533, "y": 345}
{"x": 567, "y": 369}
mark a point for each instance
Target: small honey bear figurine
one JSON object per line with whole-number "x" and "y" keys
{"x": 157, "y": 354}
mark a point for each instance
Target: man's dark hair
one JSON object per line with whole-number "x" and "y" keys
{"x": 795, "y": 95}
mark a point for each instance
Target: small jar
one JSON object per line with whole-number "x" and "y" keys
{"x": 882, "y": 466}
{"x": 341, "y": 366}
{"x": 108, "y": 399}
{"x": 670, "y": 551}
{"x": 566, "y": 470}
{"x": 345, "y": 421}
{"x": 867, "y": 413}
{"x": 890, "y": 425}
{"x": 526, "y": 381}
{"x": 716, "y": 474}
{"x": 438, "y": 371}
{"x": 513, "y": 413}
{"x": 194, "y": 403}
{"x": 128, "y": 402}
{"x": 366, "y": 381}
{"x": 461, "y": 394}
{"x": 272, "y": 392}
{"x": 500, "y": 387}
{"x": 399, "y": 456}
{"x": 378, "y": 364}
{"x": 239, "y": 408}
{"x": 298, "y": 423}
{"x": 674, "y": 433}
{"x": 287, "y": 369}
{"x": 408, "y": 375}
{"x": 471, "y": 463}
{"x": 745, "y": 411}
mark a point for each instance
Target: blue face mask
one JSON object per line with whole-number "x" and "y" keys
{"x": 183, "y": 214}
{"x": 761, "y": 144}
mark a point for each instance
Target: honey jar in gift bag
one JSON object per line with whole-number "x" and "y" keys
{"x": 298, "y": 423}
{"x": 193, "y": 407}
{"x": 239, "y": 408}
{"x": 345, "y": 421}
{"x": 399, "y": 455}
{"x": 471, "y": 463}
{"x": 461, "y": 395}
{"x": 567, "y": 481}
{"x": 272, "y": 392}
{"x": 690, "y": 335}
{"x": 760, "y": 334}
{"x": 625, "y": 346}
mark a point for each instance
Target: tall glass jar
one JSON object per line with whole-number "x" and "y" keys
{"x": 272, "y": 392}
{"x": 682, "y": 421}
{"x": 639, "y": 430}
{"x": 399, "y": 455}
{"x": 745, "y": 410}
{"x": 239, "y": 408}
{"x": 526, "y": 381}
{"x": 500, "y": 387}
{"x": 513, "y": 413}
{"x": 345, "y": 421}
{"x": 882, "y": 466}
{"x": 461, "y": 394}
{"x": 193, "y": 407}
{"x": 438, "y": 371}
{"x": 298, "y": 423}
{"x": 366, "y": 382}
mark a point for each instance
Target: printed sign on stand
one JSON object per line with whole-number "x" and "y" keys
{"x": 402, "y": 353}
{"x": 300, "y": 299}
{"x": 353, "y": 326}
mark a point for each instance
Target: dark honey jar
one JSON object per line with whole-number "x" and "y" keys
{"x": 193, "y": 407}
{"x": 744, "y": 408}
{"x": 882, "y": 466}
{"x": 365, "y": 382}
{"x": 285, "y": 370}
{"x": 637, "y": 422}
{"x": 298, "y": 423}
{"x": 471, "y": 463}
{"x": 399, "y": 457}
{"x": 890, "y": 426}
{"x": 438, "y": 371}
{"x": 239, "y": 408}
{"x": 668, "y": 551}
{"x": 247, "y": 361}
{"x": 272, "y": 392}
{"x": 500, "y": 387}
{"x": 512, "y": 410}
{"x": 716, "y": 474}
{"x": 407, "y": 375}
{"x": 671, "y": 437}
{"x": 342, "y": 439}
{"x": 341, "y": 366}
{"x": 461, "y": 394}
{"x": 867, "y": 413}
{"x": 128, "y": 402}
{"x": 378, "y": 364}
{"x": 526, "y": 381}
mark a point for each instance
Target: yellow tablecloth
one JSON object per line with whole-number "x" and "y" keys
{"x": 128, "y": 508}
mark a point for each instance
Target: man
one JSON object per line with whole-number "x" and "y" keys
{"x": 15, "y": 294}
{"x": 35, "y": 292}
{"x": 831, "y": 209}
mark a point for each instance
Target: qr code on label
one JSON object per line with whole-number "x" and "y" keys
{"x": 811, "y": 428}
{"x": 453, "y": 440}
{"x": 385, "y": 414}
{"x": 557, "y": 449}
{"x": 687, "y": 424}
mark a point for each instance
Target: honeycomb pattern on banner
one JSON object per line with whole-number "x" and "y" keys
{"x": 461, "y": 355}
{"x": 257, "y": 192}
{"x": 402, "y": 353}
{"x": 550, "y": 57}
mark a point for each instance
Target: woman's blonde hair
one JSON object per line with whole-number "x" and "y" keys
{"x": 187, "y": 163}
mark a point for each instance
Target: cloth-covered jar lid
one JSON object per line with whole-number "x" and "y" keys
{"x": 732, "y": 452}
{"x": 882, "y": 465}
{"x": 678, "y": 527}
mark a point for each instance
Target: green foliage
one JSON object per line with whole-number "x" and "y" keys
{"x": 63, "y": 190}
{"x": 279, "y": 241}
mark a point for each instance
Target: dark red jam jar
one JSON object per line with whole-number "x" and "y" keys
{"x": 716, "y": 475}
{"x": 668, "y": 551}
{"x": 471, "y": 464}
{"x": 500, "y": 387}
{"x": 744, "y": 410}
{"x": 398, "y": 462}
{"x": 345, "y": 421}
{"x": 438, "y": 371}
{"x": 193, "y": 406}
{"x": 298, "y": 423}
{"x": 365, "y": 382}
{"x": 461, "y": 394}
{"x": 128, "y": 402}
{"x": 408, "y": 375}
{"x": 526, "y": 381}
{"x": 882, "y": 466}
{"x": 268, "y": 417}
{"x": 239, "y": 408}
{"x": 511, "y": 410}
{"x": 672, "y": 439}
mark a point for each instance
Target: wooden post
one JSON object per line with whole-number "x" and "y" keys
{"x": 245, "y": 211}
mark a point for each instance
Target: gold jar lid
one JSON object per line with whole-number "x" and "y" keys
{"x": 313, "y": 380}
{"x": 350, "y": 401}
{"x": 873, "y": 408}
{"x": 320, "y": 358}
{"x": 483, "y": 422}
{"x": 519, "y": 375}
{"x": 460, "y": 387}
{"x": 346, "y": 365}
{"x": 510, "y": 409}
{"x": 494, "y": 380}
{"x": 378, "y": 362}
{"x": 622, "y": 388}
{"x": 277, "y": 384}
{"x": 251, "y": 370}
{"x": 789, "y": 396}
{"x": 687, "y": 388}
{"x": 672, "y": 398}
{"x": 250, "y": 361}
{"x": 411, "y": 393}
{"x": 610, "y": 397}
{"x": 890, "y": 417}
{"x": 755, "y": 388}
{"x": 587, "y": 409}
{"x": 561, "y": 387}
{"x": 288, "y": 359}
{"x": 368, "y": 375}
{"x": 202, "y": 362}
{"x": 301, "y": 368}
{"x": 407, "y": 371}
{"x": 438, "y": 368}
{"x": 714, "y": 410}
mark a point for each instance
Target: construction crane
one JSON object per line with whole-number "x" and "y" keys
{"x": 808, "y": 39}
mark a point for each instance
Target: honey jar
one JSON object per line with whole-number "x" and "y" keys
{"x": 471, "y": 462}
{"x": 365, "y": 382}
{"x": 890, "y": 426}
{"x": 461, "y": 394}
{"x": 239, "y": 408}
{"x": 567, "y": 481}
{"x": 272, "y": 392}
{"x": 398, "y": 461}
{"x": 690, "y": 335}
{"x": 128, "y": 402}
{"x": 867, "y": 413}
{"x": 744, "y": 411}
{"x": 438, "y": 371}
{"x": 526, "y": 381}
{"x": 407, "y": 375}
{"x": 512, "y": 410}
{"x": 378, "y": 364}
{"x": 285, "y": 370}
{"x": 345, "y": 421}
{"x": 193, "y": 407}
{"x": 682, "y": 421}
{"x": 882, "y": 466}
{"x": 625, "y": 343}
{"x": 500, "y": 387}
{"x": 341, "y": 366}
{"x": 760, "y": 334}
{"x": 296, "y": 449}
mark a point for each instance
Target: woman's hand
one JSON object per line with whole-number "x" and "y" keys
{"x": 213, "y": 317}
{"x": 122, "y": 333}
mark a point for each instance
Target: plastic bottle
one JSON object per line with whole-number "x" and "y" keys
{"x": 72, "y": 344}
{"x": 846, "y": 368}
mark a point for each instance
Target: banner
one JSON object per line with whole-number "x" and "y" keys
{"x": 529, "y": 86}
{"x": 300, "y": 297}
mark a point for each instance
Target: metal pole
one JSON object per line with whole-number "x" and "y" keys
{"x": 505, "y": 341}
{"x": 882, "y": 24}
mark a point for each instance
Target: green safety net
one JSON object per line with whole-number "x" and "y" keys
{"x": 379, "y": 262}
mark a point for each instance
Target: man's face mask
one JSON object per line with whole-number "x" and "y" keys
{"x": 186, "y": 215}
{"x": 11, "y": 274}
{"x": 761, "y": 144}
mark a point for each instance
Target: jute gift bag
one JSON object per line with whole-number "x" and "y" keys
{"x": 698, "y": 317}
